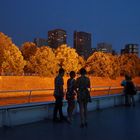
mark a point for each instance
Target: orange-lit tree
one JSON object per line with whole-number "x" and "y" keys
{"x": 11, "y": 59}
{"x": 81, "y": 62}
{"x": 138, "y": 67}
{"x": 129, "y": 64}
{"x": 103, "y": 65}
{"x": 68, "y": 58}
{"x": 28, "y": 49}
{"x": 43, "y": 62}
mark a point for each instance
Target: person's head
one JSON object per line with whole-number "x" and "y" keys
{"x": 72, "y": 74}
{"x": 61, "y": 72}
{"x": 83, "y": 71}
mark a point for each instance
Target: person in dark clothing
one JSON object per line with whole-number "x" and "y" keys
{"x": 123, "y": 83}
{"x": 59, "y": 95}
{"x": 70, "y": 95}
{"x": 130, "y": 91}
{"x": 83, "y": 95}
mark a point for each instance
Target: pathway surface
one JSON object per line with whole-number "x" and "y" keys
{"x": 118, "y": 123}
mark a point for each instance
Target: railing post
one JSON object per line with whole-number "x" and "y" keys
{"x": 109, "y": 90}
{"x": 29, "y": 99}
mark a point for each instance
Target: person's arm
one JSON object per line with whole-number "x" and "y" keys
{"x": 77, "y": 86}
{"x": 61, "y": 87}
{"x": 74, "y": 86}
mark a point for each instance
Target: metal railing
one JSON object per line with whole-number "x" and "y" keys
{"x": 8, "y": 97}
{"x": 41, "y": 95}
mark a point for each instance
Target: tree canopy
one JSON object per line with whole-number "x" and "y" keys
{"x": 43, "y": 62}
{"x": 68, "y": 58}
{"x": 102, "y": 65}
{"x": 129, "y": 64}
{"x": 28, "y": 49}
{"x": 11, "y": 59}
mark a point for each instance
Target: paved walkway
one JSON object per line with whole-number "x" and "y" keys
{"x": 118, "y": 123}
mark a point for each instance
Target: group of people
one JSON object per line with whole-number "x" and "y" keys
{"x": 80, "y": 88}
{"x": 75, "y": 88}
{"x": 129, "y": 90}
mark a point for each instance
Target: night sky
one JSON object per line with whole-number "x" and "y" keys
{"x": 113, "y": 21}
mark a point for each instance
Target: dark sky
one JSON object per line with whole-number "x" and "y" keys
{"x": 113, "y": 21}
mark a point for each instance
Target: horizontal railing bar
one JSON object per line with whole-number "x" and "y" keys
{"x": 30, "y": 90}
{"x": 4, "y": 91}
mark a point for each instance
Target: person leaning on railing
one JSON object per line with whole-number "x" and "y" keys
{"x": 129, "y": 90}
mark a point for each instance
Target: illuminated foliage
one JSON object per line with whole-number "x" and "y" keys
{"x": 68, "y": 58}
{"x": 28, "y": 49}
{"x": 81, "y": 62}
{"x": 43, "y": 62}
{"x": 138, "y": 67}
{"x": 129, "y": 64}
{"x": 11, "y": 59}
{"x": 103, "y": 65}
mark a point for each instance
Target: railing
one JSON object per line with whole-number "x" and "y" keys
{"x": 42, "y": 95}
{"x": 31, "y": 110}
{"x": 8, "y": 97}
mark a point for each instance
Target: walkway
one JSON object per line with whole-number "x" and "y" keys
{"x": 119, "y": 123}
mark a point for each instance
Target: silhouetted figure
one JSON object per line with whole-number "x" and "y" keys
{"x": 83, "y": 95}
{"x": 59, "y": 95}
{"x": 70, "y": 95}
{"x": 123, "y": 83}
{"x": 130, "y": 91}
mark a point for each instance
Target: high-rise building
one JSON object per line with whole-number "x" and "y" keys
{"x": 104, "y": 47}
{"x": 56, "y": 38}
{"x": 131, "y": 48}
{"x": 82, "y": 43}
{"x": 41, "y": 42}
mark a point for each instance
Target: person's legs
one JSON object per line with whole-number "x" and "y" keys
{"x": 60, "y": 104}
{"x": 85, "y": 114}
{"x": 81, "y": 107}
{"x": 133, "y": 100}
{"x": 72, "y": 106}
{"x": 127, "y": 102}
{"x": 68, "y": 110}
{"x": 55, "y": 110}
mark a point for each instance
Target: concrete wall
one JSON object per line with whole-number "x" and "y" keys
{"x": 27, "y": 113}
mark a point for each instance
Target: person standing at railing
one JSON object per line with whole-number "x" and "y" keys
{"x": 123, "y": 83}
{"x": 83, "y": 95}
{"x": 59, "y": 95}
{"x": 70, "y": 95}
{"x": 130, "y": 91}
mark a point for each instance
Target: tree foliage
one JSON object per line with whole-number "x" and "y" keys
{"x": 103, "y": 65}
{"x": 68, "y": 58}
{"x": 46, "y": 62}
{"x": 11, "y": 59}
{"x": 43, "y": 62}
{"x": 129, "y": 64}
{"x": 28, "y": 49}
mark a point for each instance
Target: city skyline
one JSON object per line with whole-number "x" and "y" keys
{"x": 114, "y": 22}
